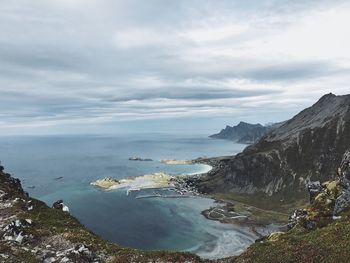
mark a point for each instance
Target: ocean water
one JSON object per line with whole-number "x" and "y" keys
{"x": 151, "y": 224}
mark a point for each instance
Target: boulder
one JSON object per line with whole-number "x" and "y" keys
{"x": 342, "y": 203}
{"x": 16, "y": 230}
{"x": 314, "y": 188}
{"x": 333, "y": 188}
{"x": 59, "y": 205}
{"x": 296, "y": 217}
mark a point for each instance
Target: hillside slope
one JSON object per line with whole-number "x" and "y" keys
{"x": 319, "y": 233}
{"x": 307, "y": 147}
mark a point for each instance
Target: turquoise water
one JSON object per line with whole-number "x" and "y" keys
{"x": 152, "y": 224}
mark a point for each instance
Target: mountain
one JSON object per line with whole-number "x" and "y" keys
{"x": 244, "y": 132}
{"x": 307, "y": 147}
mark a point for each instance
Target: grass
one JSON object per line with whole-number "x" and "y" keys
{"x": 16, "y": 255}
{"x": 330, "y": 244}
{"x": 261, "y": 207}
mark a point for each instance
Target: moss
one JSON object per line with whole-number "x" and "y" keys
{"x": 330, "y": 244}
{"x": 16, "y": 254}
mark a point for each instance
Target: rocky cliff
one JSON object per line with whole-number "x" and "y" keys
{"x": 243, "y": 132}
{"x": 308, "y": 147}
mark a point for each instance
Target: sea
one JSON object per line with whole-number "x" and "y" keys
{"x": 63, "y": 166}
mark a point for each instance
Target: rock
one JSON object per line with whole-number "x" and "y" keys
{"x": 296, "y": 217}
{"x": 275, "y": 236}
{"x": 324, "y": 203}
{"x": 59, "y": 205}
{"x": 314, "y": 188}
{"x": 105, "y": 182}
{"x": 342, "y": 203}
{"x": 345, "y": 165}
{"x": 58, "y": 178}
{"x": 2, "y": 194}
{"x": 310, "y": 225}
{"x": 65, "y": 260}
{"x": 19, "y": 238}
{"x": 50, "y": 260}
{"x": 333, "y": 188}
{"x": 65, "y": 208}
{"x": 16, "y": 231}
{"x": 137, "y": 158}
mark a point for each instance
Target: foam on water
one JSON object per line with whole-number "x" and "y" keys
{"x": 203, "y": 168}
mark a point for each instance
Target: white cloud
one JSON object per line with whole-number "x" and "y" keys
{"x": 82, "y": 62}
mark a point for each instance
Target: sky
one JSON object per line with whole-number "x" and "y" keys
{"x": 185, "y": 66}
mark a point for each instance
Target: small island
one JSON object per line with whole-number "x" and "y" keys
{"x": 137, "y": 158}
{"x": 162, "y": 184}
{"x": 155, "y": 180}
{"x": 105, "y": 183}
{"x": 176, "y": 162}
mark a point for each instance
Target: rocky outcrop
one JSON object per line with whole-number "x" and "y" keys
{"x": 60, "y": 206}
{"x": 243, "y": 132}
{"x": 343, "y": 201}
{"x": 327, "y": 201}
{"x": 138, "y": 158}
{"x": 309, "y": 147}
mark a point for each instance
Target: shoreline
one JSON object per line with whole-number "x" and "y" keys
{"x": 186, "y": 185}
{"x": 226, "y": 212}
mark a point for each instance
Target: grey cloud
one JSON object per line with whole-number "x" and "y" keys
{"x": 59, "y": 60}
{"x": 293, "y": 71}
{"x": 192, "y": 93}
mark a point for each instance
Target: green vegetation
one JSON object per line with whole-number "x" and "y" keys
{"x": 330, "y": 244}
{"x": 16, "y": 255}
{"x": 261, "y": 207}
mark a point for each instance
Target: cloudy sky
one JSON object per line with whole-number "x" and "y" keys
{"x": 79, "y": 66}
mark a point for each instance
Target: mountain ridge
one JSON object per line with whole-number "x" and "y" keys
{"x": 307, "y": 147}
{"x": 243, "y": 132}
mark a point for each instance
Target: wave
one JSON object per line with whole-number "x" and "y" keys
{"x": 204, "y": 168}
{"x": 228, "y": 243}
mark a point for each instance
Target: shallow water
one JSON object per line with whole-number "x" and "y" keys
{"x": 152, "y": 223}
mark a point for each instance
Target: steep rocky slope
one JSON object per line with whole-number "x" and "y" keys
{"x": 30, "y": 232}
{"x": 307, "y": 147}
{"x": 318, "y": 232}
{"x": 243, "y": 132}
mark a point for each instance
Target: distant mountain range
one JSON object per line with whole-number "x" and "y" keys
{"x": 307, "y": 147}
{"x": 245, "y": 132}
